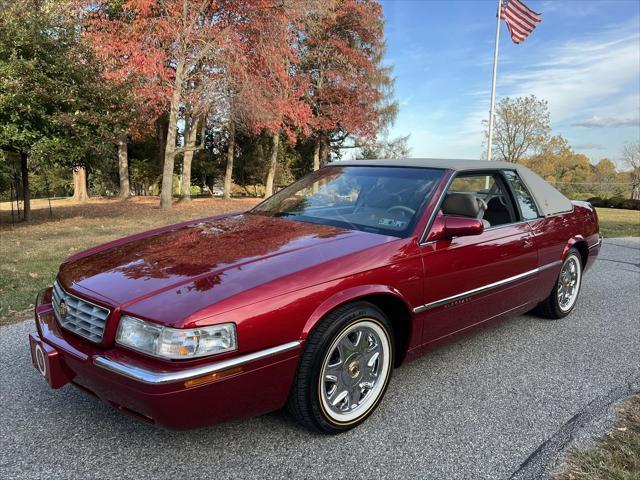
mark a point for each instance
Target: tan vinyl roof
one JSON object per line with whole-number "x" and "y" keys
{"x": 549, "y": 200}
{"x": 458, "y": 165}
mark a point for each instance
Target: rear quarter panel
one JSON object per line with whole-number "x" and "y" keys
{"x": 557, "y": 234}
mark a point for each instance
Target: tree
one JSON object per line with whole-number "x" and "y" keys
{"x": 141, "y": 98}
{"x": 631, "y": 159}
{"x": 180, "y": 47}
{"x": 341, "y": 52}
{"x": 557, "y": 163}
{"x": 52, "y": 101}
{"x": 521, "y": 128}
{"x": 387, "y": 148}
{"x": 606, "y": 176}
{"x": 262, "y": 82}
{"x": 165, "y": 44}
{"x": 191, "y": 127}
{"x": 123, "y": 167}
{"x": 258, "y": 84}
{"x": 80, "y": 193}
{"x": 276, "y": 99}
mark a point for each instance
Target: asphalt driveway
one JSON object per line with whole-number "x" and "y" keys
{"x": 499, "y": 404}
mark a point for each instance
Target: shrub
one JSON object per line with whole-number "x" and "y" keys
{"x": 596, "y": 201}
{"x": 582, "y": 196}
{"x": 630, "y": 204}
{"x": 615, "y": 202}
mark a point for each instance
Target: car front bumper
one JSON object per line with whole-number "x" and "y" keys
{"x": 177, "y": 398}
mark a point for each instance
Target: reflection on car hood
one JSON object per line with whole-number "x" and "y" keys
{"x": 218, "y": 257}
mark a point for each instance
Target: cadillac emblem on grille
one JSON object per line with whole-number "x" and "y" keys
{"x": 63, "y": 310}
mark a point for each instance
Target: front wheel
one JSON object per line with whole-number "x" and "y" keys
{"x": 344, "y": 369}
{"x": 565, "y": 292}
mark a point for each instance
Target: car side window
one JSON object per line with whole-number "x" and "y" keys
{"x": 493, "y": 201}
{"x": 524, "y": 198}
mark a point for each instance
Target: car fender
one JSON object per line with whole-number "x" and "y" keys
{"x": 349, "y": 295}
{"x": 571, "y": 243}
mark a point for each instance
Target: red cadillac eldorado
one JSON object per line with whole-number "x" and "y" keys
{"x": 313, "y": 297}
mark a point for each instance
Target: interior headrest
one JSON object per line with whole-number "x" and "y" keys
{"x": 462, "y": 204}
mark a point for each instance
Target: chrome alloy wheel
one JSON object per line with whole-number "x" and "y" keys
{"x": 569, "y": 283}
{"x": 355, "y": 371}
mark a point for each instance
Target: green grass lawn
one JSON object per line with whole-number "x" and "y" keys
{"x": 619, "y": 223}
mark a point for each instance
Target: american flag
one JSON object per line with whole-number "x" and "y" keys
{"x": 521, "y": 20}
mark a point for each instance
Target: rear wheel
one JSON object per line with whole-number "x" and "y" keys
{"x": 565, "y": 292}
{"x": 344, "y": 369}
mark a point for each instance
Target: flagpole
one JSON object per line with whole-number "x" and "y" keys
{"x": 493, "y": 83}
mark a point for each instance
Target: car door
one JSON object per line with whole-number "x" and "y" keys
{"x": 550, "y": 234}
{"x": 472, "y": 279}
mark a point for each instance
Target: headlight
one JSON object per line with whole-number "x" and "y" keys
{"x": 176, "y": 343}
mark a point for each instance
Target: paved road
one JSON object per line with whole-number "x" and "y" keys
{"x": 499, "y": 404}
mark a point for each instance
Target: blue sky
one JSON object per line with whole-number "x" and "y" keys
{"x": 584, "y": 59}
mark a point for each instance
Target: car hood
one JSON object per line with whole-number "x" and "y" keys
{"x": 213, "y": 259}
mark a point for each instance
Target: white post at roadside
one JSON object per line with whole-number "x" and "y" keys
{"x": 493, "y": 83}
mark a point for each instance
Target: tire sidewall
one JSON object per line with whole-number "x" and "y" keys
{"x": 356, "y": 313}
{"x": 556, "y": 303}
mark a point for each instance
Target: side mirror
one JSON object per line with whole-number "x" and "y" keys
{"x": 449, "y": 226}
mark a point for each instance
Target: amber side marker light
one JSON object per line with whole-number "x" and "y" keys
{"x": 212, "y": 377}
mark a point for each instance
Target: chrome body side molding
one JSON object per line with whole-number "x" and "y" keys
{"x": 484, "y": 288}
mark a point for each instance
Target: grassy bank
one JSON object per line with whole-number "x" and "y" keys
{"x": 616, "y": 456}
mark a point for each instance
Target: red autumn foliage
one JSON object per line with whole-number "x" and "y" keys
{"x": 274, "y": 86}
{"x": 298, "y": 66}
{"x": 341, "y": 53}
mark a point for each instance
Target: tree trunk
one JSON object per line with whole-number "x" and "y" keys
{"x": 189, "y": 149}
{"x": 273, "y": 162}
{"x": 80, "y": 193}
{"x": 161, "y": 137}
{"x": 123, "y": 167}
{"x": 228, "y": 174}
{"x": 324, "y": 150}
{"x": 26, "y": 193}
{"x": 635, "y": 189}
{"x": 316, "y": 154}
{"x": 166, "y": 193}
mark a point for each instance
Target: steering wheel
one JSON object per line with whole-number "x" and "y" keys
{"x": 408, "y": 210}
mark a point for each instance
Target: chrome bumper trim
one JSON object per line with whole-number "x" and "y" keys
{"x": 160, "y": 378}
{"x": 484, "y": 288}
{"x": 598, "y": 243}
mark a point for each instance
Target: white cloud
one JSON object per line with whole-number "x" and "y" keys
{"x": 588, "y": 146}
{"x": 575, "y": 82}
{"x": 601, "y": 122}
{"x": 562, "y": 7}
{"x": 581, "y": 76}
{"x": 596, "y": 77}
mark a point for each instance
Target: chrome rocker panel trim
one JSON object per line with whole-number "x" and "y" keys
{"x": 484, "y": 288}
{"x": 160, "y": 378}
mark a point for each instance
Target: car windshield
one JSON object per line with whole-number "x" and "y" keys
{"x": 385, "y": 200}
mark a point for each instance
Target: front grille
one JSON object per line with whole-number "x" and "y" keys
{"x": 83, "y": 318}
